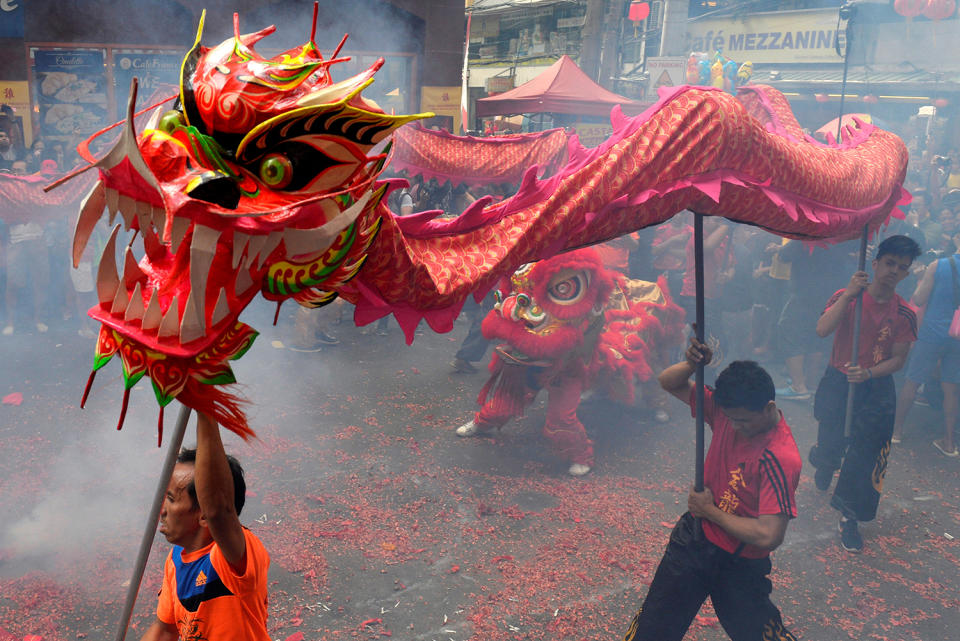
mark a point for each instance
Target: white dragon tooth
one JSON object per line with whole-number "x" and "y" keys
{"x": 152, "y": 316}
{"x": 178, "y": 229}
{"x": 191, "y": 325}
{"x": 131, "y": 270}
{"x": 243, "y": 283}
{"x": 253, "y": 250}
{"x": 120, "y": 300}
{"x": 222, "y": 308}
{"x": 154, "y": 118}
{"x": 313, "y": 241}
{"x": 159, "y": 217}
{"x": 107, "y": 278}
{"x": 170, "y": 324}
{"x": 128, "y": 209}
{"x": 273, "y": 239}
{"x": 240, "y": 241}
{"x": 135, "y": 308}
{"x": 144, "y": 211}
{"x": 113, "y": 203}
{"x": 203, "y": 246}
{"x": 90, "y": 212}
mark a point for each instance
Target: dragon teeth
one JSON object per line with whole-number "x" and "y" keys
{"x": 191, "y": 325}
{"x": 222, "y": 308}
{"x": 240, "y": 241}
{"x": 273, "y": 240}
{"x": 253, "y": 250}
{"x": 112, "y": 196}
{"x": 170, "y": 325}
{"x": 135, "y": 308}
{"x": 178, "y": 229}
{"x": 90, "y": 212}
{"x": 203, "y": 246}
{"x": 152, "y": 316}
{"x": 108, "y": 280}
{"x": 131, "y": 270}
{"x": 120, "y": 300}
{"x": 127, "y": 207}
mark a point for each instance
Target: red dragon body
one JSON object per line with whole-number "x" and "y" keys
{"x": 263, "y": 180}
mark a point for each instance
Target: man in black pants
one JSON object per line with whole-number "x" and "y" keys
{"x": 888, "y": 327}
{"x": 751, "y": 474}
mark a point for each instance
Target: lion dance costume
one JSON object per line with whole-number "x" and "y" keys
{"x": 571, "y": 325}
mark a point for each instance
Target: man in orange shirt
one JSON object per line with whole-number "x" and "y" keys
{"x": 215, "y": 578}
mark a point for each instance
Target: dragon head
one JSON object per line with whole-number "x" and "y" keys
{"x": 551, "y": 307}
{"x": 261, "y": 178}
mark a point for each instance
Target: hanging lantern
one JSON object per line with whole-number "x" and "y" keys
{"x": 639, "y": 11}
{"x": 940, "y": 103}
{"x": 821, "y": 97}
{"x": 939, "y": 9}
{"x": 870, "y": 99}
{"x": 910, "y": 9}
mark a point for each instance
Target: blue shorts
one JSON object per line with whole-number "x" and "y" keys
{"x": 925, "y": 355}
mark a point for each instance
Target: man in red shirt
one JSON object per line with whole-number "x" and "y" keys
{"x": 751, "y": 474}
{"x": 215, "y": 578}
{"x": 888, "y": 327}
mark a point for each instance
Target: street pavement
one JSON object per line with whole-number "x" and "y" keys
{"x": 381, "y": 523}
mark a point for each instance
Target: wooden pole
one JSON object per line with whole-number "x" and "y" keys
{"x": 151, "y": 528}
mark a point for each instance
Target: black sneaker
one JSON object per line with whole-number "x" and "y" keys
{"x": 823, "y": 477}
{"x": 463, "y": 366}
{"x": 327, "y": 339}
{"x": 850, "y": 537}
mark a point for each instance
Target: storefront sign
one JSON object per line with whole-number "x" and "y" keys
{"x": 499, "y": 84}
{"x": 70, "y": 88}
{"x": 11, "y": 18}
{"x": 782, "y": 37}
{"x": 157, "y": 73}
{"x": 443, "y": 101}
{"x": 17, "y": 95}
{"x": 591, "y": 135}
{"x": 668, "y": 71}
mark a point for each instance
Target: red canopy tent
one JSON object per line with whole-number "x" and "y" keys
{"x": 563, "y": 88}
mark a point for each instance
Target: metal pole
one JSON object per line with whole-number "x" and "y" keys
{"x": 850, "y": 12}
{"x": 700, "y": 333}
{"x": 857, "y": 315}
{"x": 151, "y": 528}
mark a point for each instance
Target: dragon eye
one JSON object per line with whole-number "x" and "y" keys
{"x": 276, "y": 171}
{"x": 569, "y": 290}
{"x": 170, "y": 120}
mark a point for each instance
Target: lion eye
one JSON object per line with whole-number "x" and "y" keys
{"x": 568, "y": 291}
{"x": 276, "y": 171}
{"x": 169, "y": 121}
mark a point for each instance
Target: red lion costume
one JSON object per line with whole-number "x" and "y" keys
{"x": 571, "y": 325}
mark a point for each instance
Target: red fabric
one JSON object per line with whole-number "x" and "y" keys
{"x": 748, "y": 476}
{"x": 24, "y": 200}
{"x": 562, "y": 427}
{"x": 563, "y": 88}
{"x": 881, "y": 325}
{"x": 614, "y": 256}
{"x": 477, "y": 161}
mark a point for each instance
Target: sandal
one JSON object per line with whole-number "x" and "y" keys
{"x": 953, "y": 454}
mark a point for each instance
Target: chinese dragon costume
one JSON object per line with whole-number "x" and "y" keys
{"x": 262, "y": 178}
{"x": 570, "y": 326}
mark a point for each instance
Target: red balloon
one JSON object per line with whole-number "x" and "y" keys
{"x": 939, "y": 9}
{"x": 639, "y": 11}
{"x": 910, "y": 8}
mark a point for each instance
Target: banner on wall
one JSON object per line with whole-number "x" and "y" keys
{"x": 11, "y": 19}
{"x": 781, "y": 37}
{"x": 70, "y": 89}
{"x": 443, "y": 101}
{"x": 17, "y": 95}
{"x": 157, "y": 73}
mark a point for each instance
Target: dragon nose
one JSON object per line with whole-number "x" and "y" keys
{"x": 215, "y": 187}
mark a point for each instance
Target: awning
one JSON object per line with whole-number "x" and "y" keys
{"x": 860, "y": 80}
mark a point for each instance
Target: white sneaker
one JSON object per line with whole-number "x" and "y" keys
{"x": 467, "y": 429}
{"x": 42, "y": 328}
{"x": 8, "y": 330}
{"x": 578, "y": 469}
